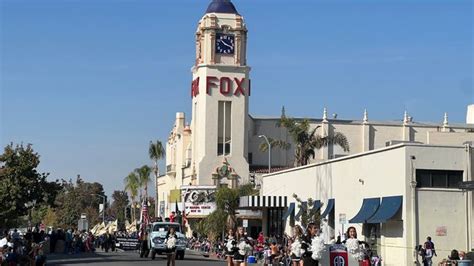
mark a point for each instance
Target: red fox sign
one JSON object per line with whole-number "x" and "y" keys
{"x": 227, "y": 86}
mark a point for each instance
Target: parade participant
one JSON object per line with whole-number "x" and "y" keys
{"x": 170, "y": 242}
{"x": 144, "y": 248}
{"x": 230, "y": 247}
{"x": 352, "y": 243}
{"x": 243, "y": 247}
{"x": 107, "y": 241}
{"x": 311, "y": 244}
{"x": 173, "y": 217}
{"x": 296, "y": 250}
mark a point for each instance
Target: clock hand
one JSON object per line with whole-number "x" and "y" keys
{"x": 228, "y": 45}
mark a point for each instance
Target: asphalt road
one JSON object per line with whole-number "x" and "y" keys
{"x": 127, "y": 258}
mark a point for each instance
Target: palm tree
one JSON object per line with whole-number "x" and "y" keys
{"x": 156, "y": 151}
{"x": 144, "y": 178}
{"x": 306, "y": 140}
{"x": 132, "y": 185}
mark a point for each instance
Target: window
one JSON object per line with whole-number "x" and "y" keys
{"x": 224, "y": 127}
{"x": 275, "y": 222}
{"x": 438, "y": 178}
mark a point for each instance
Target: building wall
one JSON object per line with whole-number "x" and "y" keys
{"x": 442, "y": 208}
{"x": 362, "y": 137}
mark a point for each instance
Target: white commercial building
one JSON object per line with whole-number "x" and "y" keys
{"x": 395, "y": 197}
{"x": 220, "y": 145}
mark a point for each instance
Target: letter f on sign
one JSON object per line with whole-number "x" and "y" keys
{"x": 210, "y": 82}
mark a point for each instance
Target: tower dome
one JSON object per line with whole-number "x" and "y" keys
{"x": 221, "y": 6}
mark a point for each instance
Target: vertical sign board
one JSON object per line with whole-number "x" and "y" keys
{"x": 338, "y": 255}
{"x": 162, "y": 208}
{"x": 245, "y": 223}
{"x": 82, "y": 224}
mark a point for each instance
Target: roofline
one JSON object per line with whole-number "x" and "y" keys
{"x": 373, "y": 122}
{"x": 361, "y": 154}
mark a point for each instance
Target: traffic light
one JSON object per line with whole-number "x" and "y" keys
{"x": 128, "y": 213}
{"x": 252, "y": 179}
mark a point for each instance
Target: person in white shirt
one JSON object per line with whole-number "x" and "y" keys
{"x": 6, "y": 241}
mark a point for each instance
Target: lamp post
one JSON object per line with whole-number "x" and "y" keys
{"x": 269, "y": 152}
{"x": 103, "y": 211}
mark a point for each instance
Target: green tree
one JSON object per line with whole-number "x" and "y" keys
{"x": 213, "y": 226}
{"x": 120, "y": 201}
{"x": 50, "y": 218}
{"x": 156, "y": 151}
{"x": 77, "y": 198}
{"x": 227, "y": 203}
{"x": 144, "y": 178}
{"x": 309, "y": 214}
{"x": 305, "y": 139}
{"x": 21, "y": 184}
{"x": 132, "y": 185}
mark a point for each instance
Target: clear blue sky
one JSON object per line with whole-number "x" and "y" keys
{"x": 91, "y": 82}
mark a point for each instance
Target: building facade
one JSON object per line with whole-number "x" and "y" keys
{"x": 395, "y": 197}
{"x": 220, "y": 142}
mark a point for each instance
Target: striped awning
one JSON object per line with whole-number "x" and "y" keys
{"x": 263, "y": 202}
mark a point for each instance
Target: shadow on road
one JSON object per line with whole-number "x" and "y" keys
{"x": 121, "y": 257}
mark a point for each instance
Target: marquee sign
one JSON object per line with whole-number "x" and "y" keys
{"x": 227, "y": 86}
{"x": 198, "y": 200}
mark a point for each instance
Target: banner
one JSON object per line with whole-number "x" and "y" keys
{"x": 128, "y": 243}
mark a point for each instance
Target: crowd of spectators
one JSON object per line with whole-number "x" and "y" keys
{"x": 19, "y": 249}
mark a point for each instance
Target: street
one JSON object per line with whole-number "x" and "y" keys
{"x": 126, "y": 258}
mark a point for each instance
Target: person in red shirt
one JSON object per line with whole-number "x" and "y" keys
{"x": 173, "y": 217}
{"x": 261, "y": 238}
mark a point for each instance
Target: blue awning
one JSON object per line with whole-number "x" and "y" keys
{"x": 388, "y": 208}
{"x": 369, "y": 207}
{"x": 317, "y": 205}
{"x": 290, "y": 211}
{"x": 329, "y": 208}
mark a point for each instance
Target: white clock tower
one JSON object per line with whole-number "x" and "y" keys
{"x": 220, "y": 93}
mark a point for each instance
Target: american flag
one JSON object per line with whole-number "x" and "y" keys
{"x": 144, "y": 218}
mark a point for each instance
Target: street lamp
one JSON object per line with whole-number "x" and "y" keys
{"x": 103, "y": 211}
{"x": 269, "y": 152}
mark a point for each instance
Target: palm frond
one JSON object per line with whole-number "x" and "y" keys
{"x": 340, "y": 139}
{"x": 275, "y": 143}
{"x": 156, "y": 150}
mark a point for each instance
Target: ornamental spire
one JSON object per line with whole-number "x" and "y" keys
{"x": 325, "y": 115}
{"x": 406, "y": 119}
{"x": 445, "y": 120}
{"x": 366, "y": 117}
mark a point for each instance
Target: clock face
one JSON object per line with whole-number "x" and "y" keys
{"x": 225, "y": 43}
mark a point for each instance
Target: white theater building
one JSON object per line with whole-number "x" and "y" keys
{"x": 397, "y": 184}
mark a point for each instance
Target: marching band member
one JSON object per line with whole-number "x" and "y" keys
{"x": 296, "y": 249}
{"x": 230, "y": 247}
{"x": 242, "y": 249}
{"x": 313, "y": 246}
{"x": 170, "y": 242}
